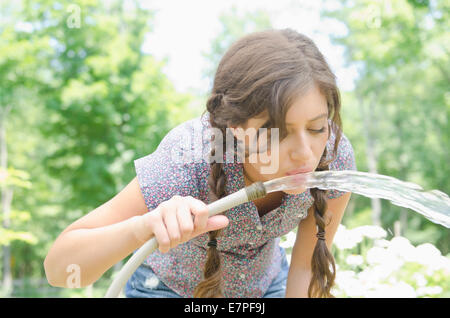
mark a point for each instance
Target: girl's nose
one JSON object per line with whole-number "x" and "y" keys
{"x": 301, "y": 151}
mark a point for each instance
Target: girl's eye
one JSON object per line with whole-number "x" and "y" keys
{"x": 318, "y": 131}
{"x": 315, "y": 131}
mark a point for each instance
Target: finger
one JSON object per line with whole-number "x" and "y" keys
{"x": 200, "y": 212}
{"x": 214, "y": 223}
{"x": 161, "y": 236}
{"x": 171, "y": 223}
{"x": 217, "y": 222}
{"x": 185, "y": 222}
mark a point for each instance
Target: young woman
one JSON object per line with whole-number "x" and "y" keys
{"x": 271, "y": 79}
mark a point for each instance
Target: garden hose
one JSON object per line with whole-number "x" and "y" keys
{"x": 250, "y": 193}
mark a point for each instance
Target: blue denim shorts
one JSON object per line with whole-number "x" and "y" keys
{"x": 145, "y": 284}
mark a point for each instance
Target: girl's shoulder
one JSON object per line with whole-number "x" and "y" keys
{"x": 171, "y": 169}
{"x": 344, "y": 160}
{"x": 184, "y": 143}
{"x": 345, "y": 156}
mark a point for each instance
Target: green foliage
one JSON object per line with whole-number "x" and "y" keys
{"x": 234, "y": 24}
{"x": 84, "y": 102}
{"x": 361, "y": 218}
{"x": 371, "y": 265}
{"x": 14, "y": 178}
{"x": 7, "y": 236}
{"x": 400, "y": 105}
{"x": 80, "y": 101}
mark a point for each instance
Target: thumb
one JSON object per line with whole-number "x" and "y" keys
{"x": 216, "y": 222}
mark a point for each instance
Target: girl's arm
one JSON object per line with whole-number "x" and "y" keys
{"x": 300, "y": 274}
{"x": 114, "y": 230}
{"x": 100, "y": 239}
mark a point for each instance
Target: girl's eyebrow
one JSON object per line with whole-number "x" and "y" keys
{"x": 315, "y": 118}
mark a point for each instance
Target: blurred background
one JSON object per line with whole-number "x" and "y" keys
{"x": 88, "y": 86}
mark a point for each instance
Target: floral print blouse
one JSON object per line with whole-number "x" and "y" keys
{"x": 249, "y": 244}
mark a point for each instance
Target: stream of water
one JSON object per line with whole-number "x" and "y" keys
{"x": 434, "y": 204}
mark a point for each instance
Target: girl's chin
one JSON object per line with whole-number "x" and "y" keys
{"x": 295, "y": 191}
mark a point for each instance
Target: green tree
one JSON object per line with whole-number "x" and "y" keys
{"x": 21, "y": 76}
{"x": 401, "y": 50}
{"x": 234, "y": 25}
{"x": 86, "y": 102}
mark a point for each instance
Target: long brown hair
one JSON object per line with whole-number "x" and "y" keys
{"x": 266, "y": 71}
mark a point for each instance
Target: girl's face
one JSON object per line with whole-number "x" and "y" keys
{"x": 302, "y": 148}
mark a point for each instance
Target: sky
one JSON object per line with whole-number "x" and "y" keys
{"x": 184, "y": 29}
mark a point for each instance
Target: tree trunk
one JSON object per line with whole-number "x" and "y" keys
{"x": 371, "y": 157}
{"x": 403, "y": 220}
{"x": 6, "y": 199}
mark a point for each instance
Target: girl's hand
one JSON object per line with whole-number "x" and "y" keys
{"x": 179, "y": 219}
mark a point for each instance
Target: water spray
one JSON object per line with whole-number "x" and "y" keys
{"x": 434, "y": 204}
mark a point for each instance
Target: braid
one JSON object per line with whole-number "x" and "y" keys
{"x": 322, "y": 278}
{"x": 212, "y": 286}
{"x": 264, "y": 72}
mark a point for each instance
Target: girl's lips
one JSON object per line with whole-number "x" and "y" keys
{"x": 289, "y": 173}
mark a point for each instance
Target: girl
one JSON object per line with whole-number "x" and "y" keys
{"x": 271, "y": 79}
